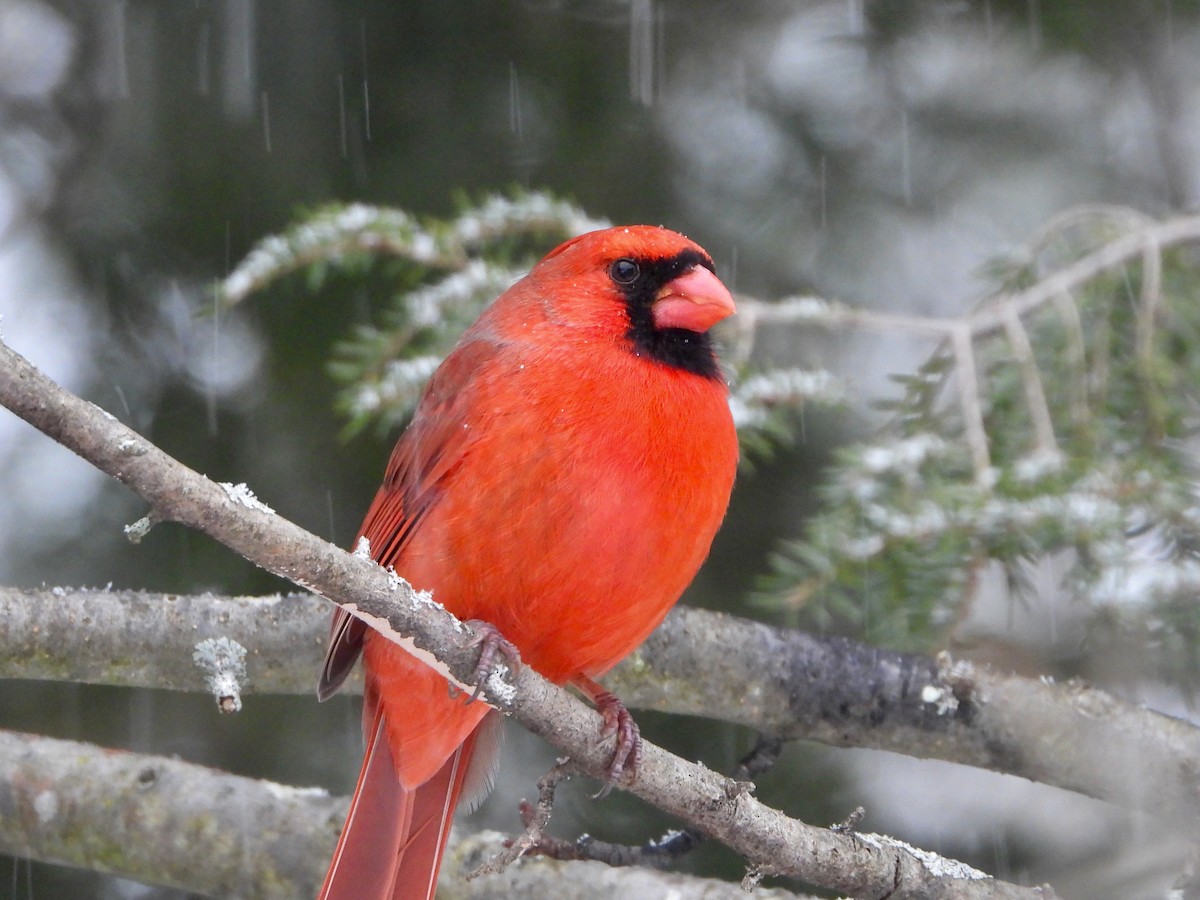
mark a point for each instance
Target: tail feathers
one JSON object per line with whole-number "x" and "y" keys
{"x": 392, "y": 844}
{"x": 431, "y": 812}
{"x": 363, "y": 865}
{"x": 485, "y": 762}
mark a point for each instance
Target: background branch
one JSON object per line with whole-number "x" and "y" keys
{"x": 163, "y": 821}
{"x": 1143, "y": 239}
{"x": 132, "y": 638}
{"x": 783, "y": 682}
{"x": 173, "y": 823}
{"x": 769, "y": 840}
{"x": 540, "y": 878}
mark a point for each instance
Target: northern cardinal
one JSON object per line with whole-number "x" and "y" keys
{"x": 562, "y": 479}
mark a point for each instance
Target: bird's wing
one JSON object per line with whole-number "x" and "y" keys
{"x": 425, "y": 459}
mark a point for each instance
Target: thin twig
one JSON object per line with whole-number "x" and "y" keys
{"x": 969, "y": 401}
{"x": 1068, "y": 312}
{"x": 1031, "y": 380}
{"x": 535, "y": 819}
{"x": 657, "y": 853}
{"x": 1147, "y": 316}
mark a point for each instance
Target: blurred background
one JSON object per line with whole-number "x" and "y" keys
{"x": 881, "y": 153}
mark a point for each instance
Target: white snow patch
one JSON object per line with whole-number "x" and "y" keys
{"x": 138, "y": 530}
{"x": 943, "y": 699}
{"x": 1037, "y": 466}
{"x": 751, "y": 401}
{"x": 384, "y": 627}
{"x": 497, "y": 687}
{"x": 45, "y": 805}
{"x": 799, "y": 309}
{"x": 240, "y": 493}
{"x": 936, "y": 865}
{"x": 290, "y": 792}
{"x": 904, "y": 456}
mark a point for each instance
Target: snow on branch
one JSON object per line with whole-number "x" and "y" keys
{"x": 764, "y": 837}
{"x": 753, "y": 399}
{"x": 332, "y": 233}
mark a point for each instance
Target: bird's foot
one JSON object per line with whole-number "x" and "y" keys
{"x": 492, "y": 645}
{"x": 628, "y": 753}
{"x": 618, "y": 723}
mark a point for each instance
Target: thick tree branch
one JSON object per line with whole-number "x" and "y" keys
{"x": 142, "y": 639}
{"x": 163, "y": 821}
{"x": 779, "y": 681}
{"x": 843, "y": 693}
{"x": 769, "y": 840}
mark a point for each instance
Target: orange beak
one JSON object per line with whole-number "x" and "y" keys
{"x": 695, "y": 301}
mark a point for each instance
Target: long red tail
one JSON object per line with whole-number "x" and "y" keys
{"x": 392, "y": 843}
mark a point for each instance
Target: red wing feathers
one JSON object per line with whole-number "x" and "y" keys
{"x": 426, "y": 455}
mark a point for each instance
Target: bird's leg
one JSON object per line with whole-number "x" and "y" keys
{"x": 492, "y": 644}
{"x": 618, "y": 722}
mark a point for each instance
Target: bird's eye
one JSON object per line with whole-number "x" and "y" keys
{"x": 624, "y": 271}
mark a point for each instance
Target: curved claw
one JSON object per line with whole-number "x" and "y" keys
{"x": 492, "y": 644}
{"x": 618, "y": 722}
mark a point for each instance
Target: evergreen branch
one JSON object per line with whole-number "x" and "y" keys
{"x": 969, "y": 401}
{"x": 1076, "y": 356}
{"x": 1148, "y": 240}
{"x": 329, "y": 235}
{"x": 1074, "y": 397}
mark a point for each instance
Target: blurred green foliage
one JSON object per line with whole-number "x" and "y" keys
{"x": 909, "y": 522}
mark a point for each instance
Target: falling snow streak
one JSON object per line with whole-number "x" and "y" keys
{"x": 1035, "y": 24}
{"x": 366, "y": 91}
{"x": 641, "y": 51}
{"x": 114, "y": 52}
{"x": 238, "y": 79}
{"x": 823, "y": 188}
{"x": 202, "y": 60}
{"x": 856, "y": 18}
{"x": 266, "y": 120}
{"x": 341, "y": 92}
{"x": 514, "y": 101}
{"x": 210, "y": 394}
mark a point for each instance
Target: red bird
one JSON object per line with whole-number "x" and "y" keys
{"x": 562, "y": 479}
